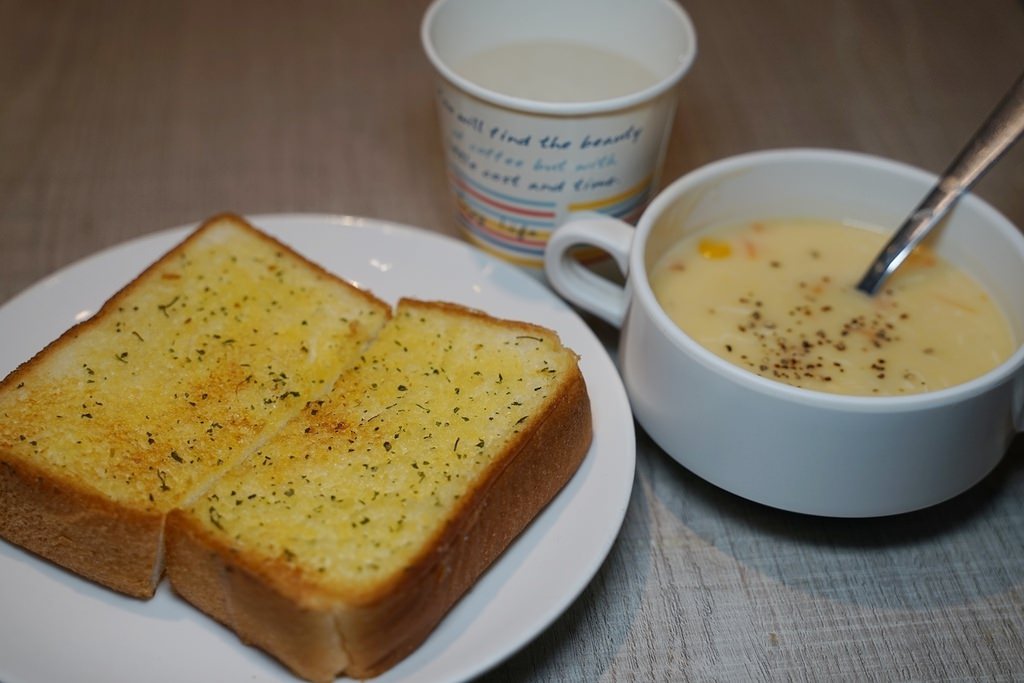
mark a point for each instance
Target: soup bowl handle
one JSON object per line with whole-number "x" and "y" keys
{"x": 574, "y": 281}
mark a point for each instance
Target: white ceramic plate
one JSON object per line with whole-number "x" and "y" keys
{"x": 55, "y": 626}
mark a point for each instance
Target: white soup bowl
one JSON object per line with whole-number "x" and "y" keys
{"x": 787, "y": 447}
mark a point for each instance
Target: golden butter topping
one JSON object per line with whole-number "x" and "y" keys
{"x": 169, "y": 386}
{"x": 355, "y": 486}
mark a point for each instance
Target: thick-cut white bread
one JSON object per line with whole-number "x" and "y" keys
{"x": 326, "y": 478}
{"x": 344, "y": 539}
{"x": 175, "y": 380}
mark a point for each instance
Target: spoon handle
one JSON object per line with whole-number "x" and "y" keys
{"x": 1002, "y": 128}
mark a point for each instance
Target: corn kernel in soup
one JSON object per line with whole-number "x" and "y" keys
{"x": 778, "y": 298}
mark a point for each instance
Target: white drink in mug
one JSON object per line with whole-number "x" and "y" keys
{"x": 556, "y": 71}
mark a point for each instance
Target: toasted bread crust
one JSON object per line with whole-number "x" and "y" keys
{"x": 321, "y": 638}
{"x": 382, "y": 633}
{"x": 63, "y": 520}
{"x": 208, "y": 576}
{"x": 88, "y": 534}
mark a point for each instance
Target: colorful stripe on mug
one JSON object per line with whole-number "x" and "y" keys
{"x": 499, "y": 203}
{"x": 625, "y": 205}
{"x": 511, "y": 235}
{"x": 517, "y": 229}
{"x": 511, "y": 253}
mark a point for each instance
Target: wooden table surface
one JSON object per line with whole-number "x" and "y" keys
{"x": 122, "y": 118}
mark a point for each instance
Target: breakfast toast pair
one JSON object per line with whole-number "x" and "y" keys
{"x": 319, "y": 472}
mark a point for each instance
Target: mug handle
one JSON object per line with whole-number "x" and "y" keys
{"x": 573, "y": 280}
{"x": 1018, "y": 405}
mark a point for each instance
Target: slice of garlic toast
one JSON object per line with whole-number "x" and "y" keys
{"x": 180, "y": 375}
{"x": 341, "y": 543}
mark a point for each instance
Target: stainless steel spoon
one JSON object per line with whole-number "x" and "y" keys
{"x": 1002, "y": 128}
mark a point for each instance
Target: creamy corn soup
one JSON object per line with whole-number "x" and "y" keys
{"x": 779, "y": 299}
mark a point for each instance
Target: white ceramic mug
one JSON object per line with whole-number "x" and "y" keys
{"x": 520, "y": 162}
{"x": 791, "y": 448}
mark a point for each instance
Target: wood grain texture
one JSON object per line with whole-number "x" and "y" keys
{"x": 121, "y": 118}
